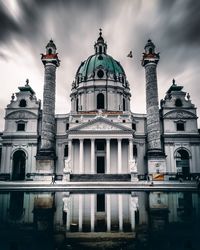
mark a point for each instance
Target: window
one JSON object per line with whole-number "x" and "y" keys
{"x": 124, "y": 121}
{"x": 180, "y": 126}
{"x": 21, "y": 126}
{"x": 77, "y": 121}
{"x": 124, "y": 104}
{"x": 66, "y": 150}
{"x": 22, "y": 103}
{"x": 50, "y": 51}
{"x": 133, "y": 126}
{"x": 67, "y": 126}
{"x": 100, "y": 101}
{"x": 100, "y": 202}
{"x": 100, "y": 50}
{"x": 100, "y": 73}
{"x": 178, "y": 103}
{"x": 77, "y": 105}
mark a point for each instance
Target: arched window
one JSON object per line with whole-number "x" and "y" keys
{"x": 100, "y": 101}
{"x": 178, "y": 103}
{"x": 50, "y": 51}
{"x": 100, "y": 50}
{"x": 124, "y": 104}
{"x": 22, "y": 103}
{"x": 150, "y": 51}
{"x": 182, "y": 162}
{"x": 67, "y": 126}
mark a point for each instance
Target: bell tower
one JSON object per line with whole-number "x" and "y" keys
{"x": 46, "y": 155}
{"x": 155, "y": 155}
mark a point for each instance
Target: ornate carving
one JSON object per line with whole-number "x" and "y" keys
{"x": 179, "y": 115}
{"x": 67, "y": 168}
{"x": 100, "y": 126}
{"x": 21, "y": 115}
{"x": 133, "y": 166}
{"x": 66, "y": 204}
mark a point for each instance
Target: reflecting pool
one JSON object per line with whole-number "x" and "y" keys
{"x": 100, "y": 220}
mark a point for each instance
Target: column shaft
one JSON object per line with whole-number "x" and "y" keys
{"x": 92, "y": 212}
{"x": 120, "y": 212}
{"x": 81, "y": 157}
{"x": 92, "y": 156}
{"x": 119, "y": 148}
{"x": 108, "y": 212}
{"x": 130, "y": 150}
{"x": 108, "y": 156}
{"x": 80, "y": 215}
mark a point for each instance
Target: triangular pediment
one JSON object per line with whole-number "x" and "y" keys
{"x": 101, "y": 124}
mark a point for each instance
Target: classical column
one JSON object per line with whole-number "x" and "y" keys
{"x": 120, "y": 212}
{"x": 108, "y": 212}
{"x": 119, "y": 149}
{"x": 51, "y": 62}
{"x": 81, "y": 157}
{"x": 92, "y": 212}
{"x": 130, "y": 150}
{"x": 108, "y": 155}
{"x": 133, "y": 209}
{"x": 149, "y": 62}
{"x": 80, "y": 213}
{"x": 92, "y": 156}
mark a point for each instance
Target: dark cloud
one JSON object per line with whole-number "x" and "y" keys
{"x": 8, "y": 25}
{"x": 180, "y": 22}
{"x": 127, "y": 24}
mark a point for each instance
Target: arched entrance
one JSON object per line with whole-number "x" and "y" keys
{"x": 19, "y": 164}
{"x": 183, "y": 163}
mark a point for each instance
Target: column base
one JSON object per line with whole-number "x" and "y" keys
{"x": 134, "y": 177}
{"x": 66, "y": 177}
{"x": 45, "y": 163}
{"x": 157, "y": 167}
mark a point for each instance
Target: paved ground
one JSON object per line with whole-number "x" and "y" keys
{"x": 85, "y": 186}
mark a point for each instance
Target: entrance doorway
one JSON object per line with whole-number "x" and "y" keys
{"x": 19, "y": 164}
{"x": 100, "y": 164}
{"x": 182, "y": 163}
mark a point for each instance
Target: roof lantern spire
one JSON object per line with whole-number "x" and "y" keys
{"x": 100, "y": 46}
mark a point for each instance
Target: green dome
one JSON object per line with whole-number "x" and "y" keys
{"x": 99, "y": 60}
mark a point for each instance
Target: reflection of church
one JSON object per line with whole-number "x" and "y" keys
{"x": 94, "y": 218}
{"x": 100, "y": 138}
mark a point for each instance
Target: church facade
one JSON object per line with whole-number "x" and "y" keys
{"x": 100, "y": 139}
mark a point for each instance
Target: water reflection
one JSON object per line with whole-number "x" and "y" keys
{"x": 63, "y": 220}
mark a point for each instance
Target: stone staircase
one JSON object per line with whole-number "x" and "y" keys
{"x": 100, "y": 177}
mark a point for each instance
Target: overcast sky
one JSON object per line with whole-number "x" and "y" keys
{"x": 27, "y": 25}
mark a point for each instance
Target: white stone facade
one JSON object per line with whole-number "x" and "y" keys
{"x": 100, "y": 135}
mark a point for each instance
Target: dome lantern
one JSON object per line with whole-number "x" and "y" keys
{"x": 100, "y": 46}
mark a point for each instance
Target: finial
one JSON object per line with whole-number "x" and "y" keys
{"x": 100, "y": 32}
{"x": 27, "y": 81}
{"x": 173, "y": 81}
{"x": 13, "y": 97}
